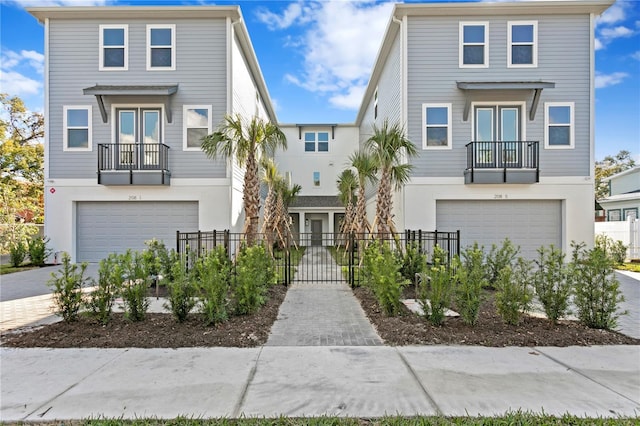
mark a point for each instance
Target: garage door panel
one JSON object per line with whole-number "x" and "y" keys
{"x": 527, "y": 223}
{"x": 107, "y": 227}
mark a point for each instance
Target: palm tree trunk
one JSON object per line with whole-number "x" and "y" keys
{"x": 384, "y": 204}
{"x": 251, "y": 199}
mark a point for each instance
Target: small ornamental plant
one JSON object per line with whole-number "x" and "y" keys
{"x": 100, "y": 302}
{"x": 470, "y": 279}
{"x": 38, "y": 250}
{"x": 134, "y": 287}
{"x": 513, "y": 296}
{"x": 182, "y": 292}
{"x": 382, "y": 275}
{"x": 499, "y": 258}
{"x": 553, "y": 282}
{"x": 436, "y": 288}
{"x": 254, "y": 272}
{"x": 67, "y": 286}
{"x": 214, "y": 272}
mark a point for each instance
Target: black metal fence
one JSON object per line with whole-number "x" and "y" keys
{"x": 503, "y": 154}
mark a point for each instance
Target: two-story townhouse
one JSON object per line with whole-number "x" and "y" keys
{"x": 499, "y": 99}
{"x": 129, "y": 92}
{"x": 623, "y": 201}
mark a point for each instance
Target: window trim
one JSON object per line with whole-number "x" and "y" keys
{"x": 103, "y": 27}
{"x": 316, "y": 142}
{"x": 609, "y": 215}
{"x": 571, "y": 123}
{"x": 510, "y": 44}
{"x": 185, "y": 108}
{"x": 172, "y": 27}
{"x": 313, "y": 179}
{"x": 66, "y": 128}
{"x": 461, "y": 44}
{"x": 449, "y": 125}
{"x": 629, "y": 209}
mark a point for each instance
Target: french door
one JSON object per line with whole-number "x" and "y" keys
{"x": 138, "y": 137}
{"x": 497, "y": 133}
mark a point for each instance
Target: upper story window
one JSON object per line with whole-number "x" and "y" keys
{"x": 523, "y": 44}
{"x": 77, "y": 128}
{"x": 114, "y": 49}
{"x": 161, "y": 47}
{"x": 436, "y": 133}
{"x": 474, "y": 44}
{"x": 316, "y": 141}
{"x": 196, "y": 125}
{"x": 559, "y": 126}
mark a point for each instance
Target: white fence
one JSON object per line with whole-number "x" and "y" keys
{"x": 628, "y": 232}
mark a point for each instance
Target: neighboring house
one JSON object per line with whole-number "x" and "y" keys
{"x": 499, "y": 98}
{"x": 129, "y": 92}
{"x": 623, "y": 201}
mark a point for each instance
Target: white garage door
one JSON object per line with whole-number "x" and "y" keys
{"x": 106, "y": 227}
{"x": 529, "y": 224}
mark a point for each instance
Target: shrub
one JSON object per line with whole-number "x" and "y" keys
{"x": 552, "y": 281}
{"x": 597, "y": 291}
{"x": 67, "y": 288}
{"x": 469, "y": 281}
{"x": 101, "y": 300}
{"x": 158, "y": 261}
{"x": 614, "y": 249}
{"x": 182, "y": 292}
{"x": 134, "y": 287}
{"x": 214, "y": 273}
{"x": 436, "y": 288}
{"x": 38, "y": 250}
{"x": 17, "y": 253}
{"x": 382, "y": 275}
{"x": 413, "y": 262}
{"x": 499, "y": 258}
{"x": 514, "y": 295}
{"x": 253, "y": 273}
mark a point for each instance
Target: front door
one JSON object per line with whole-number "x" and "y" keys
{"x": 316, "y": 232}
{"x": 497, "y": 132}
{"x": 138, "y": 138}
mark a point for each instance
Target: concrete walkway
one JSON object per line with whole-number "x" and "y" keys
{"x": 321, "y": 313}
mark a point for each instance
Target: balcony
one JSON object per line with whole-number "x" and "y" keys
{"x": 514, "y": 162}
{"x": 133, "y": 164}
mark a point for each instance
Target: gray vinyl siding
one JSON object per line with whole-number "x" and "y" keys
{"x": 433, "y": 70}
{"x": 200, "y": 73}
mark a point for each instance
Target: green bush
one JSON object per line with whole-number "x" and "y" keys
{"x": 17, "y": 253}
{"x": 597, "y": 291}
{"x": 382, "y": 275}
{"x": 101, "y": 300}
{"x": 514, "y": 295}
{"x": 67, "y": 288}
{"x": 499, "y": 258}
{"x": 38, "y": 250}
{"x": 182, "y": 292}
{"x": 134, "y": 287}
{"x": 214, "y": 273}
{"x": 254, "y": 272}
{"x": 470, "y": 279}
{"x": 413, "y": 262}
{"x": 158, "y": 261}
{"x": 436, "y": 288}
{"x": 553, "y": 282}
{"x": 614, "y": 249}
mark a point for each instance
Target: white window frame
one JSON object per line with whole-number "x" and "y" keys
{"x": 449, "y": 126}
{"x": 172, "y": 27}
{"x": 124, "y": 27}
{"x": 313, "y": 179}
{"x": 571, "y": 124}
{"x": 316, "y": 141}
{"x": 65, "y": 128}
{"x": 510, "y": 44}
{"x": 185, "y": 108}
{"x": 461, "y": 44}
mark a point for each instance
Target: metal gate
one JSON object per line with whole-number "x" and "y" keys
{"x": 325, "y": 259}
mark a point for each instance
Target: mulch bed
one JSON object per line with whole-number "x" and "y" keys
{"x": 156, "y": 331}
{"x": 410, "y": 329}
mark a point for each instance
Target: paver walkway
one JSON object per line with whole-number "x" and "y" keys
{"x": 321, "y": 313}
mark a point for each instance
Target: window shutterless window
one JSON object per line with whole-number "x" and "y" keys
{"x": 559, "y": 126}
{"x": 436, "y": 130}
{"x": 77, "y": 128}
{"x": 114, "y": 51}
{"x": 613, "y": 215}
{"x": 474, "y": 44}
{"x": 316, "y": 178}
{"x": 161, "y": 47}
{"x": 316, "y": 141}
{"x": 309, "y": 142}
{"x": 196, "y": 125}
{"x": 630, "y": 213}
{"x": 523, "y": 44}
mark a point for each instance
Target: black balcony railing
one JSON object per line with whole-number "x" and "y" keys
{"x": 505, "y": 158}
{"x": 116, "y": 158}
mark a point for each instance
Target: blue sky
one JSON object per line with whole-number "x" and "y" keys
{"x": 314, "y": 76}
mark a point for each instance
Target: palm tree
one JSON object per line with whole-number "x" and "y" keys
{"x": 387, "y": 146}
{"x": 347, "y": 185}
{"x": 246, "y": 141}
{"x": 271, "y": 178}
{"x": 366, "y": 169}
{"x": 285, "y": 196}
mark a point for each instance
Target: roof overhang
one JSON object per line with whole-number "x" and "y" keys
{"x": 134, "y": 12}
{"x": 471, "y": 86}
{"x": 163, "y": 91}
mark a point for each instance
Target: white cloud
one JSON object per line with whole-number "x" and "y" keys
{"x": 15, "y": 71}
{"x": 616, "y": 32}
{"x": 16, "y": 84}
{"x": 598, "y": 44}
{"x": 608, "y": 26}
{"x": 616, "y": 13}
{"x": 636, "y": 55}
{"x": 606, "y": 80}
{"x": 338, "y": 46}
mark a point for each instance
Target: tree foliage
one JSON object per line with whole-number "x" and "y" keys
{"x": 610, "y": 166}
